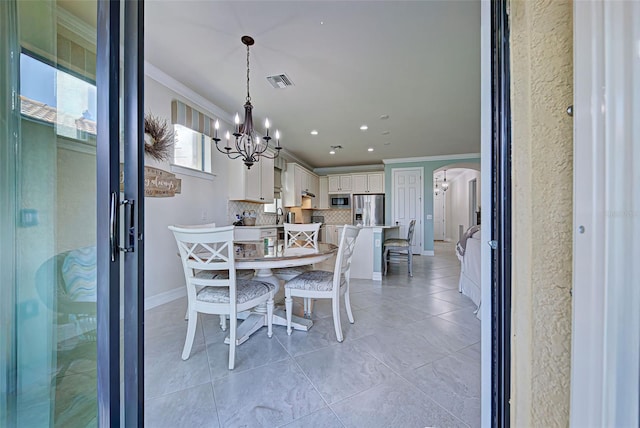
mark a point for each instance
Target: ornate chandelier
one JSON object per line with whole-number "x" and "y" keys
{"x": 248, "y": 144}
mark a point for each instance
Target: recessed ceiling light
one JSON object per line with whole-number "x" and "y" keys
{"x": 314, "y": 132}
{"x": 370, "y": 149}
{"x": 385, "y": 133}
{"x": 384, "y": 117}
{"x": 364, "y": 127}
{"x": 332, "y": 152}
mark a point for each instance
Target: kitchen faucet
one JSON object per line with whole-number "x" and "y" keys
{"x": 279, "y": 212}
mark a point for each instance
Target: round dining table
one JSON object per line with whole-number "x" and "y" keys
{"x": 262, "y": 257}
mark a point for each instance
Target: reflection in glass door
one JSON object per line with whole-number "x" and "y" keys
{"x": 53, "y": 261}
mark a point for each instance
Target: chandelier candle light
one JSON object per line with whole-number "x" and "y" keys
{"x": 248, "y": 144}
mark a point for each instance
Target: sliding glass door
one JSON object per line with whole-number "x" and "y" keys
{"x": 65, "y": 129}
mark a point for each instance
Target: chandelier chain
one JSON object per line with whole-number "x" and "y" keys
{"x": 248, "y": 96}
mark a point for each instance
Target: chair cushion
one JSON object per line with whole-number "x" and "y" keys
{"x": 292, "y": 271}
{"x": 246, "y": 290}
{"x": 245, "y": 273}
{"x": 213, "y": 274}
{"x": 314, "y": 280}
{"x": 396, "y": 243}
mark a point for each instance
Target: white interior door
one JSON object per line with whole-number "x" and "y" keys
{"x": 407, "y": 203}
{"x": 439, "y": 217}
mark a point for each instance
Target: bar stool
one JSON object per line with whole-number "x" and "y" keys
{"x": 396, "y": 249}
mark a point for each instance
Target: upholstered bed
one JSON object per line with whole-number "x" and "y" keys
{"x": 468, "y": 252}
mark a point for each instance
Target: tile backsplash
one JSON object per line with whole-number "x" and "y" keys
{"x": 238, "y": 207}
{"x": 330, "y": 216}
{"x": 341, "y": 216}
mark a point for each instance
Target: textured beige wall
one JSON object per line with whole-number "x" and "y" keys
{"x": 542, "y": 88}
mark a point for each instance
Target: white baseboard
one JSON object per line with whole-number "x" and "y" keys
{"x": 162, "y": 298}
{"x": 377, "y": 276}
{"x": 428, "y": 253}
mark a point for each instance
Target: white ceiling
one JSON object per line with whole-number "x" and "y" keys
{"x": 351, "y": 62}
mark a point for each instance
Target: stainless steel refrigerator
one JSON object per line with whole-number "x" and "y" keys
{"x": 368, "y": 210}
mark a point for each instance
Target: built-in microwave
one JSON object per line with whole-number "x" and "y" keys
{"x": 340, "y": 201}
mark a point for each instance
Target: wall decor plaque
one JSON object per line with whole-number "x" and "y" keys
{"x": 157, "y": 182}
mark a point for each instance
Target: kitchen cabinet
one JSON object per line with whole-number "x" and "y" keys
{"x": 368, "y": 183}
{"x": 331, "y": 234}
{"x": 375, "y": 182}
{"x": 359, "y": 182}
{"x": 323, "y": 193}
{"x": 305, "y": 180}
{"x": 254, "y": 184}
{"x": 297, "y": 181}
{"x": 340, "y": 183}
{"x": 314, "y": 189}
{"x": 314, "y": 186}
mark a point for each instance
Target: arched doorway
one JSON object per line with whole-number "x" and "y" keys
{"x": 456, "y": 200}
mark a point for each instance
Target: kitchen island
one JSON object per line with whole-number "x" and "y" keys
{"x": 367, "y": 256}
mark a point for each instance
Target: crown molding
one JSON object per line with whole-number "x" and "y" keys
{"x": 432, "y": 158}
{"x": 163, "y": 78}
{"x": 348, "y": 169}
{"x": 291, "y": 158}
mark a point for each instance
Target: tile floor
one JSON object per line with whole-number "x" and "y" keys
{"x": 412, "y": 359}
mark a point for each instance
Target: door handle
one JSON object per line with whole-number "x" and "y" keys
{"x": 129, "y": 223}
{"x": 113, "y": 225}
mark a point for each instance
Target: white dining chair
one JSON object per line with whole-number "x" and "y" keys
{"x": 299, "y": 236}
{"x": 398, "y": 250}
{"x": 318, "y": 284}
{"x": 240, "y": 273}
{"x": 208, "y": 260}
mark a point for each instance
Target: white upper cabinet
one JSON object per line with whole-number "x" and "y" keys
{"x": 372, "y": 182}
{"x": 333, "y": 183}
{"x": 254, "y": 184}
{"x": 359, "y": 182}
{"x": 309, "y": 181}
{"x": 314, "y": 185}
{"x": 375, "y": 182}
{"x": 340, "y": 183}
{"x": 298, "y": 180}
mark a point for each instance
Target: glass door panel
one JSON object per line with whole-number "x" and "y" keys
{"x": 56, "y": 259}
{"x": 56, "y": 318}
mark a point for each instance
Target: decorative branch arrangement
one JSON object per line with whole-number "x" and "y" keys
{"x": 158, "y": 137}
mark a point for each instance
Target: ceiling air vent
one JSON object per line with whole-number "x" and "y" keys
{"x": 280, "y": 81}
